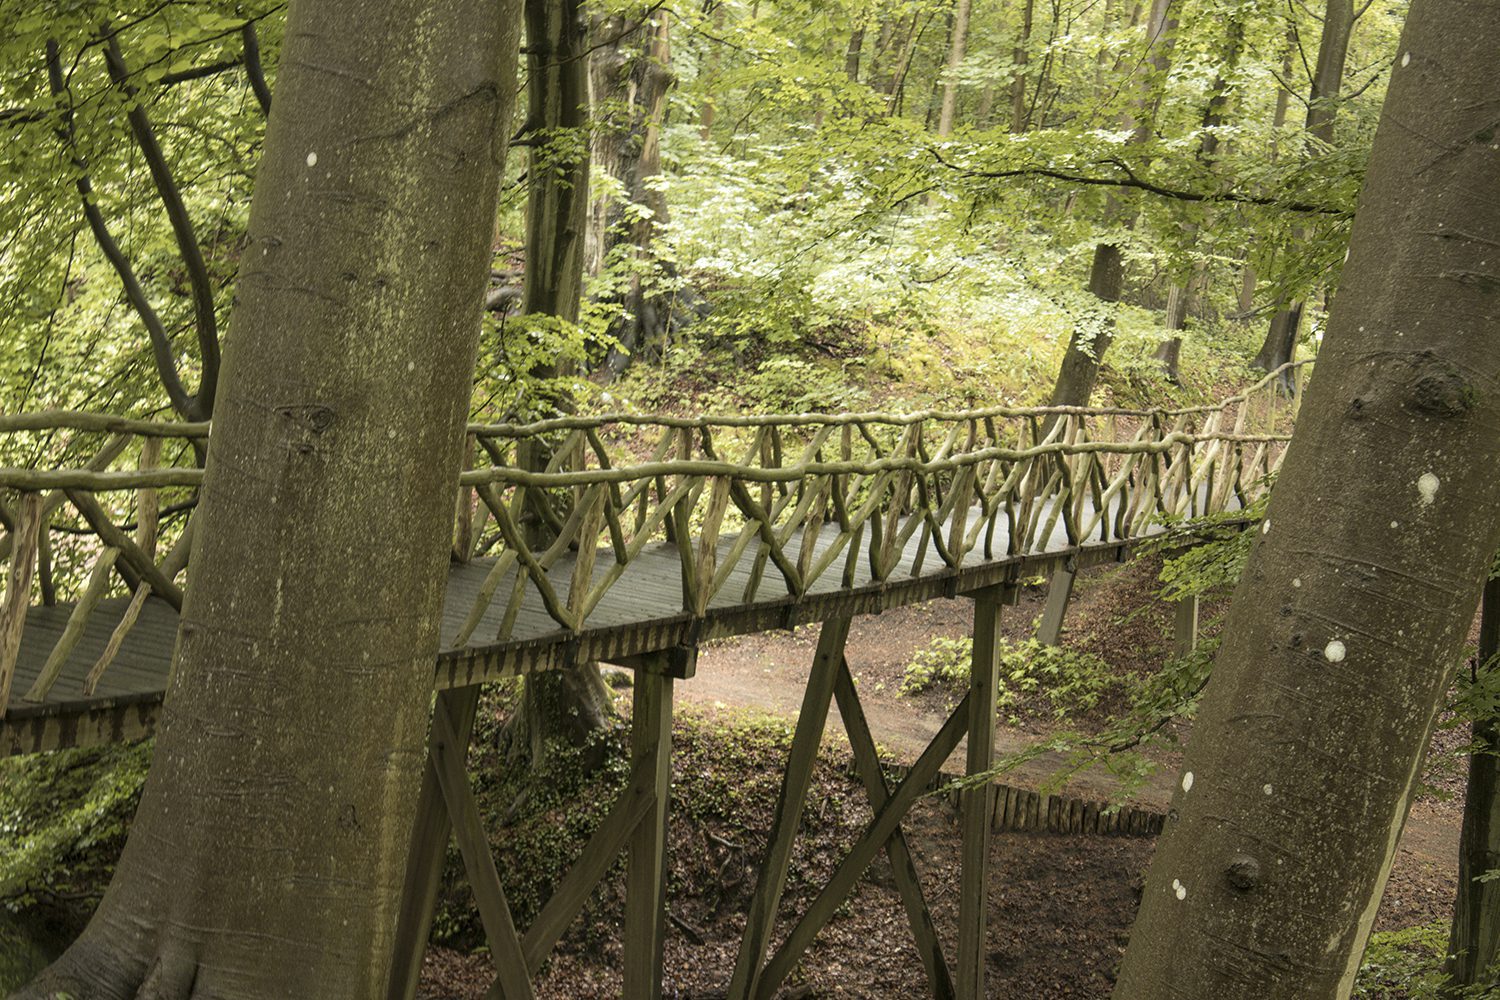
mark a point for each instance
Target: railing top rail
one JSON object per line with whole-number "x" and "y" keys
{"x": 584, "y": 422}
{"x": 987, "y": 450}
{"x": 99, "y": 423}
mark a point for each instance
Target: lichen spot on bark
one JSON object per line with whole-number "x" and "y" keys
{"x": 1427, "y": 486}
{"x": 1334, "y": 652}
{"x": 1187, "y": 782}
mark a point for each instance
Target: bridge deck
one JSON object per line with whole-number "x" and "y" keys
{"x": 641, "y": 613}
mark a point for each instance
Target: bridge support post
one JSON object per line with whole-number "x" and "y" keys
{"x": 646, "y": 865}
{"x": 1059, "y": 593}
{"x": 425, "y": 857}
{"x": 976, "y": 803}
{"x": 1185, "y": 627}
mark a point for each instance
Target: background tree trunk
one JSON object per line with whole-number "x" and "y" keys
{"x": 957, "y": 48}
{"x": 267, "y": 852}
{"x": 630, "y": 81}
{"x": 1019, "y": 117}
{"x": 1280, "y": 345}
{"x": 1359, "y": 594}
{"x": 1474, "y": 942}
{"x": 564, "y": 705}
{"x": 1178, "y": 299}
{"x": 1092, "y": 336}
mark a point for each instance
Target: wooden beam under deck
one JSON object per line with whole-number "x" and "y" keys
{"x": 639, "y": 617}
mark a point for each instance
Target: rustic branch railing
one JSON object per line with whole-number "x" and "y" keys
{"x": 811, "y": 498}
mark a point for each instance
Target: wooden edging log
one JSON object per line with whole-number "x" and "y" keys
{"x": 1021, "y": 810}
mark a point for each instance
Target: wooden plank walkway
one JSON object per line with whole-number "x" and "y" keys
{"x": 641, "y": 613}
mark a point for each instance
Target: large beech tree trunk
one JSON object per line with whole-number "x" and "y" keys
{"x": 1358, "y": 596}
{"x": 268, "y": 849}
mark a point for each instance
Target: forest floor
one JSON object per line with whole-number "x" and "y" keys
{"x": 1060, "y": 906}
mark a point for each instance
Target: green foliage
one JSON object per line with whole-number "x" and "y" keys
{"x": 1034, "y": 679}
{"x": 1408, "y": 965}
{"x": 63, "y": 818}
{"x": 1215, "y": 564}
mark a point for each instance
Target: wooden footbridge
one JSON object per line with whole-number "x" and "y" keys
{"x": 631, "y": 539}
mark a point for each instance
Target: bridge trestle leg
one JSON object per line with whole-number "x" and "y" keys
{"x": 425, "y": 857}
{"x": 903, "y": 869}
{"x": 976, "y": 802}
{"x": 1059, "y": 593}
{"x": 646, "y": 864}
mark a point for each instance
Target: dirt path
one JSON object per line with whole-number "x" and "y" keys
{"x": 768, "y": 672}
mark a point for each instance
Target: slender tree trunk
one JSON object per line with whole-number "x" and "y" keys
{"x": 707, "y": 111}
{"x": 630, "y": 80}
{"x": 853, "y": 53}
{"x": 1359, "y": 593}
{"x": 1170, "y": 351}
{"x": 1092, "y": 336}
{"x": 1322, "y": 110}
{"x": 267, "y": 852}
{"x": 1474, "y": 942}
{"x": 563, "y": 705}
{"x": 957, "y": 49}
{"x": 1019, "y": 119}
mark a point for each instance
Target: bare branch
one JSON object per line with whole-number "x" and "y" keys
{"x": 253, "y": 67}
{"x": 161, "y": 344}
{"x": 1130, "y": 180}
{"x": 182, "y": 229}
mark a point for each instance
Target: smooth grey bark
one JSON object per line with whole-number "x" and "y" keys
{"x": 267, "y": 852}
{"x": 1474, "y": 939}
{"x": 1358, "y": 595}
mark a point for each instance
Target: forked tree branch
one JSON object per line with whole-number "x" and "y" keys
{"x": 161, "y": 344}
{"x": 253, "y": 68}
{"x": 206, "y": 321}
